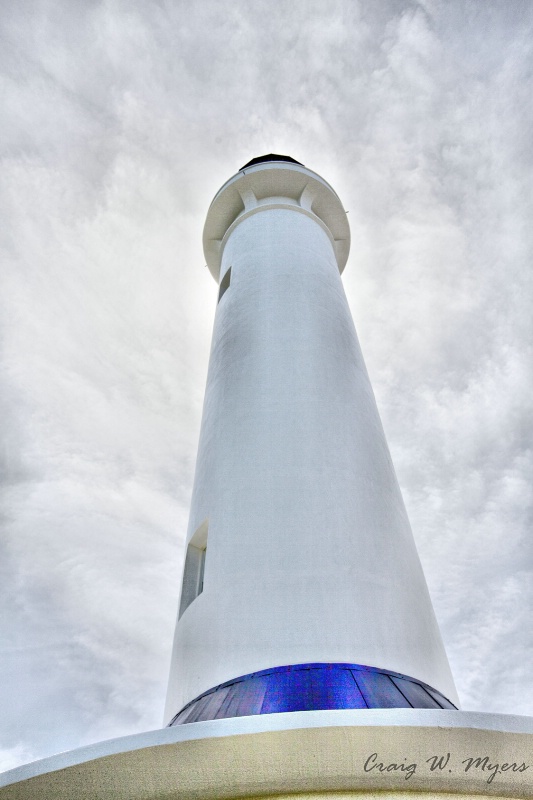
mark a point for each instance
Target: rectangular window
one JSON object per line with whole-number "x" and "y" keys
{"x": 201, "y": 571}
{"x": 224, "y": 284}
{"x": 193, "y": 571}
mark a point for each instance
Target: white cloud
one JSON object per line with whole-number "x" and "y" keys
{"x": 122, "y": 121}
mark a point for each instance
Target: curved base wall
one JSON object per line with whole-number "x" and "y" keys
{"x": 392, "y": 753}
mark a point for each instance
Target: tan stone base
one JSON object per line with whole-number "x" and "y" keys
{"x": 381, "y": 796}
{"x": 328, "y": 758}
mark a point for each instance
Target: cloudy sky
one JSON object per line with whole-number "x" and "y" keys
{"x": 120, "y": 120}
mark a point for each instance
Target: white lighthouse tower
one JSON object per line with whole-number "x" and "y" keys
{"x": 302, "y": 587}
{"x": 307, "y": 661}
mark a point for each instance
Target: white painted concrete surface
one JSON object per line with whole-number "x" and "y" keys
{"x": 310, "y": 556}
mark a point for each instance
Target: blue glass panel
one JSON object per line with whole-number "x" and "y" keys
{"x": 251, "y": 697}
{"x": 287, "y": 691}
{"x": 184, "y": 713}
{"x": 379, "y": 691}
{"x": 415, "y": 693}
{"x": 231, "y": 700}
{"x": 304, "y": 687}
{"x": 210, "y": 711}
{"x": 194, "y": 713}
{"x": 443, "y": 701}
{"x": 335, "y": 688}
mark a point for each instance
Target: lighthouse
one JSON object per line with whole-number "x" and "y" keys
{"x": 302, "y": 587}
{"x": 307, "y": 660}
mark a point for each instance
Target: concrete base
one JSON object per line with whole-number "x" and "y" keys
{"x": 318, "y": 754}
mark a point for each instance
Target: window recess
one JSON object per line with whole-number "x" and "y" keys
{"x": 224, "y": 284}
{"x": 193, "y": 571}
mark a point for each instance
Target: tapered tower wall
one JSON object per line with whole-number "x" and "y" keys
{"x": 309, "y": 555}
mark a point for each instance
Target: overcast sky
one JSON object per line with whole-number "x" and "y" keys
{"x": 120, "y": 121}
